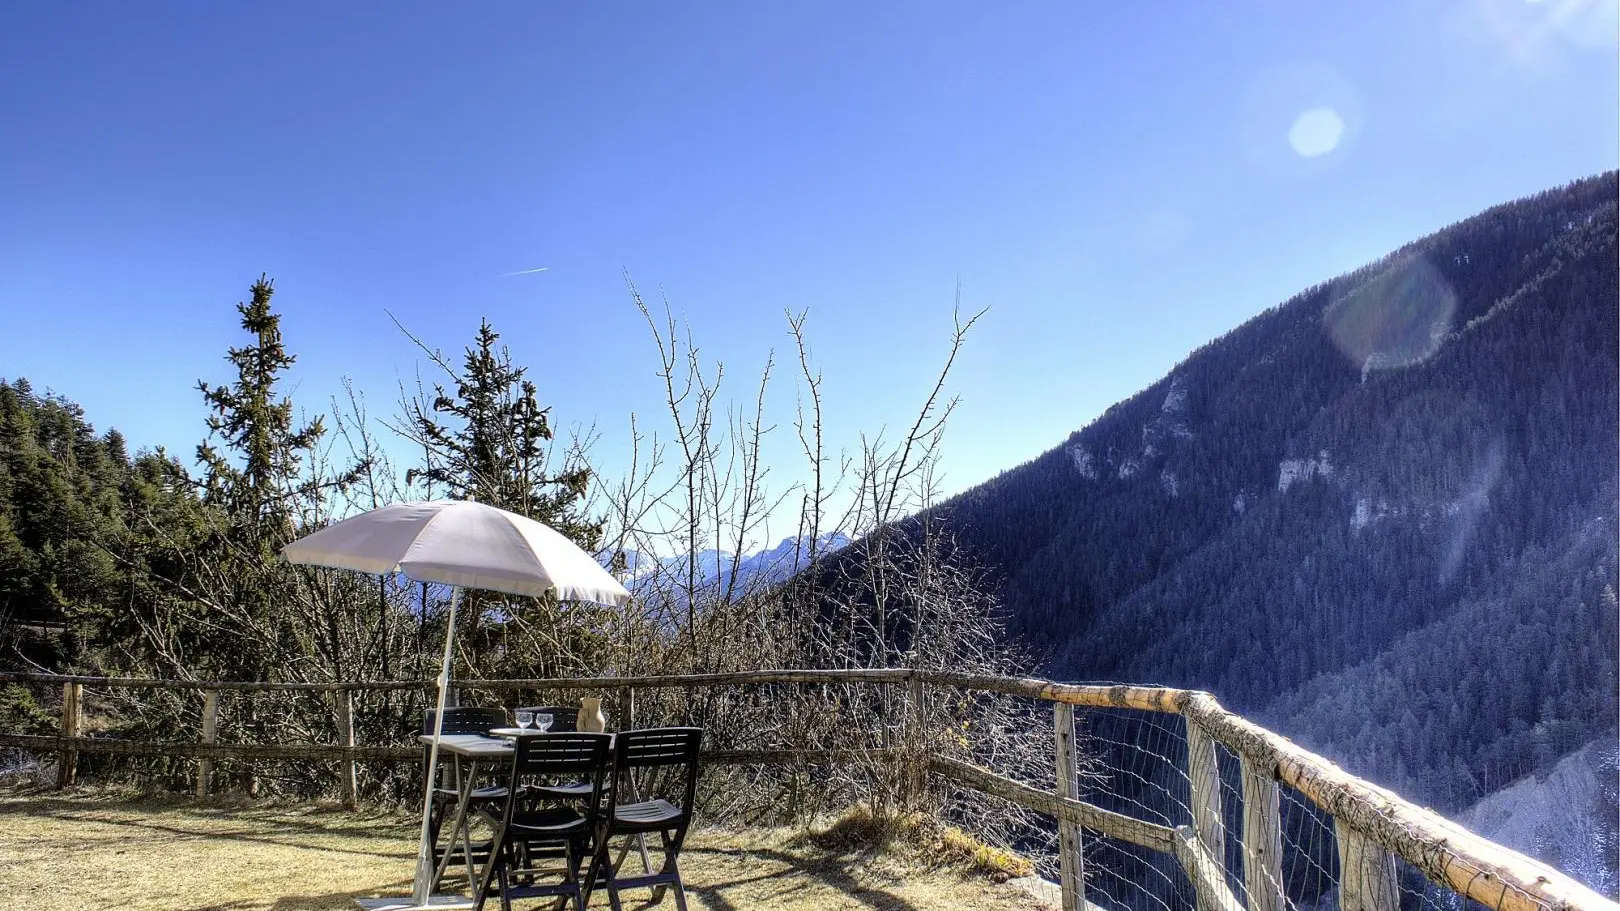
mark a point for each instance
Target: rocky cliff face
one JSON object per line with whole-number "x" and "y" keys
{"x": 1565, "y": 815}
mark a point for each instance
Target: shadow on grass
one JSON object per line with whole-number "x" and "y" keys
{"x": 828, "y": 870}
{"x": 281, "y": 832}
{"x": 344, "y": 900}
{"x": 331, "y": 901}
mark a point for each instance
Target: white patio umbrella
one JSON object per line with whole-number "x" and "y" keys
{"x": 465, "y": 545}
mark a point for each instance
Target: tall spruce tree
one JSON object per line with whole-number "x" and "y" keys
{"x": 260, "y": 487}
{"x": 256, "y": 426}
{"x": 488, "y": 442}
{"x": 486, "y": 438}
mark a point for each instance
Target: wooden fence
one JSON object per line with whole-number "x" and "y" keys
{"x": 1372, "y": 826}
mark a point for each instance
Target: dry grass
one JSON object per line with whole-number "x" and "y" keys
{"x": 920, "y": 840}
{"x": 93, "y": 850}
{"x": 999, "y": 863}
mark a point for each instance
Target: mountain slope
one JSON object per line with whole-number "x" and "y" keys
{"x": 1401, "y": 481}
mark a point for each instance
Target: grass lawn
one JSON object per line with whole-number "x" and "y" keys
{"x": 88, "y": 849}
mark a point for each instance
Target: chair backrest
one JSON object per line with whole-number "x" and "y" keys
{"x": 564, "y": 718}
{"x": 658, "y": 747}
{"x": 466, "y": 720}
{"x": 662, "y": 748}
{"x": 542, "y": 759}
{"x": 568, "y": 753}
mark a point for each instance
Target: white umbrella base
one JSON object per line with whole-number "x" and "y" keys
{"x": 406, "y": 903}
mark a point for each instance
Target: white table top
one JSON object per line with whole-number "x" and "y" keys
{"x": 475, "y": 746}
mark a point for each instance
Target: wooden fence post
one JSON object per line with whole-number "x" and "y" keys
{"x": 210, "y": 733}
{"x": 348, "y": 773}
{"x": 1071, "y": 864}
{"x": 67, "y": 768}
{"x": 1366, "y": 872}
{"x": 1204, "y": 776}
{"x": 1262, "y": 838}
{"x": 916, "y": 761}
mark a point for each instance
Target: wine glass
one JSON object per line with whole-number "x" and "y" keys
{"x": 524, "y": 719}
{"x": 543, "y": 721}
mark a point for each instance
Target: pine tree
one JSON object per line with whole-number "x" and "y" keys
{"x": 487, "y": 442}
{"x": 257, "y": 427}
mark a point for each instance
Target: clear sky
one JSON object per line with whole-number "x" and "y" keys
{"x": 1119, "y": 183}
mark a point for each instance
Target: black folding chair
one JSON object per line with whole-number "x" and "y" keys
{"x": 532, "y": 823}
{"x": 671, "y": 754}
{"x": 458, "y": 720}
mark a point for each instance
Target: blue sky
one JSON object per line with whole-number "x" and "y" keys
{"x": 1115, "y": 181}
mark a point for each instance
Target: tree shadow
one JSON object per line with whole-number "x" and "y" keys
{"x": 345, "y": 900}
{"x": 67, "y": 811}
{"x": 330, "y": 900}
{"x": 278, "y": 815}
{"x": 827, "y": 870}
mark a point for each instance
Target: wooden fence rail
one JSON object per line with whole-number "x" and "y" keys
{"x": 338, "y": 753}
{"x": 1372, "y": 825}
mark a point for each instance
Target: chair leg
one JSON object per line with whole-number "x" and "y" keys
{"x": 466, "y": 848}
{"x": 667, "y": 867}
{"x": 570, "y": 877}
{"x": 624, "y": 851}
{"x": 495, "y": 862}
{"x": 641, "y": 845}
{"x": 641, "y": 837}
{"x": 509, "y": 861}
{"x": 598, "y": 868}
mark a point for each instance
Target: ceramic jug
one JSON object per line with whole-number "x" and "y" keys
{"x": 590, "y": 715}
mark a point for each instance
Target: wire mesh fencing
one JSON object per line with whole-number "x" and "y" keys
{"x": 1241, "y": 839}
{"x": 1136, "y": 767}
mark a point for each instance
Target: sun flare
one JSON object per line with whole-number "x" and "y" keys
{"x": 1316, "y": 132}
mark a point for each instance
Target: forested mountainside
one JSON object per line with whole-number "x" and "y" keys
{"x": 65, "y": 492}
{"x": 84, "y": 529}
{"x": 1379, "y": 517}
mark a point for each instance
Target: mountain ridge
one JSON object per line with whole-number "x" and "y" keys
{"x": 1324, "y": 502}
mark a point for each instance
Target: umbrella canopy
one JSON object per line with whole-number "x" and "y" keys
{"x": 462, "y": 543}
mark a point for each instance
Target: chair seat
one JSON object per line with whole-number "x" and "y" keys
{"x": 553, "y": 821}
{"x": 646, "y": 816}
{"x": 478, "y": 795}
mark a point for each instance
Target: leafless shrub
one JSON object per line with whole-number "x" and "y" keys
{"x": 899, "y": 596}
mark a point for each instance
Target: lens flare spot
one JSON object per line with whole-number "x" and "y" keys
{"x": 1316, "y": 132}
{"x": 1299, "y": 119}
{"x": 1398, "y": 317}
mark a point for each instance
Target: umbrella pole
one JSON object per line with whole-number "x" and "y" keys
{"x": 424, "y": 855}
